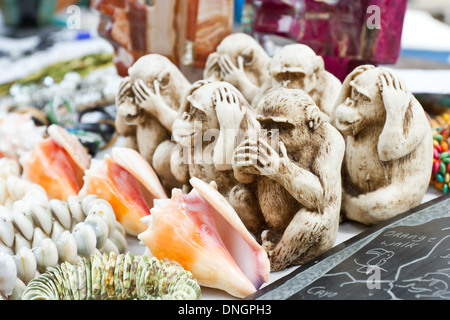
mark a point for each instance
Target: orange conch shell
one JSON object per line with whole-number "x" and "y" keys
{"x": 128, "y": 183}
{"x": 203, "y": 233}
{"x": 57, "y": 163}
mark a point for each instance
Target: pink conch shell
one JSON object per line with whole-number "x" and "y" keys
{"x": 128, "y": 183}
{"x": 57, "y": 163}
{"x": 203, "y": 233}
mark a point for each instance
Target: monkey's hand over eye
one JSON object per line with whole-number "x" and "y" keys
{"x": 146, "y": 99}
{"x": 395, "y": 95}
{"x": 229, "y": 110}
{"x": 124, "y": 90}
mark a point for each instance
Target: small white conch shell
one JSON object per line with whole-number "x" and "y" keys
{"x": 46, "y": 254}
{"x": 24, "y": 223}
{"x": 20, "y": 242}
{"x": 26, "y": 264}
{"x": 67, "y": 247}
{"x": 100, "y": 228}
{"x": 8, "y": 274}
{"x": 60, "y": 209}
{"x": 43, "y": 216}
{"x": 6, "y": 232}
{"x": 86, "y": 239}
{"x": 38, "y": 236}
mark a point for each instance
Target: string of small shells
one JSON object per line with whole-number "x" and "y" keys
{"x": 39, "y": 233}
{"x": 119, "y": 277}
{"x": 14, "y": 188}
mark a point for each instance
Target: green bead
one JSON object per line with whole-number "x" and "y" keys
{"x": 440, "y": 177}
{"x": 442, "y": 168}
{"x": 445, "y": 188}
{"x": 438, "y": 137}
{"x": 444, "y": 155}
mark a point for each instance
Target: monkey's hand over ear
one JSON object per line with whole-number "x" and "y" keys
{"x": 395, "y": 96}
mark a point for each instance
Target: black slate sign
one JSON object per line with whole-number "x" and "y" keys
{"x": 401, "y": 263}
{"x": 406, "y": 258}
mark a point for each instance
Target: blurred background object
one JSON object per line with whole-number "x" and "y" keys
{"x": 27, "y": 13}
{"x": 184, "y": 31}
{"x": 345, "y": 33}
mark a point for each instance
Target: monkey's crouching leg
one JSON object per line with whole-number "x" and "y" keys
{"x": 308, "y": 235}
{"x": 161, "y": 164}
{"x": 244, "y": 200}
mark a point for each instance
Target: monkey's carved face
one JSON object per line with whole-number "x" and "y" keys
{"x": 283, "y": 114}
{"x": 296, "y": 67}
{"x": 294, "y": 80}
{"x": 363, "y": 106}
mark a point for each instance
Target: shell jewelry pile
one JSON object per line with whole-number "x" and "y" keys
{"x": 114, "y": 277}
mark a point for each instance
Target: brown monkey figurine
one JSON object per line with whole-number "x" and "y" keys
{"x": 297, "y": 190}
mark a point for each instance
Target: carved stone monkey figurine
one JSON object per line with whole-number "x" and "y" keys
{"x": 241, "y": 61}
{"x": 147, "y": 105}
{"x": 212, "y": 120}
{"x": 295, "y": 195}
{"x": 389, "y": 146}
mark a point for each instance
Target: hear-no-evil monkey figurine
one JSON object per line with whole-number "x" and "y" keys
{"x": 211, "y": 121}
{"x": 389, "y": 146}
{"x": 297, "y": 191}
{"x": 147, "y": 105}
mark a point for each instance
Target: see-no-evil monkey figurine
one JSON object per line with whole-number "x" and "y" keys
{"x": 147, "y": 104}
{"x": 295, "y": 194}
{"x": 389, "y": 146}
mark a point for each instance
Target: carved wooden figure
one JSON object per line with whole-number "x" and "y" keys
{"x": 389, "y": 146}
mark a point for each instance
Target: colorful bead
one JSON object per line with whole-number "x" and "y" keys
{"x": 440, "y": 177}
{"x": 442, "y": 168}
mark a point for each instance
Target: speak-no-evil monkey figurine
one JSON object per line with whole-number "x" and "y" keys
{"x": 295, "y": 195}
{"x": 389, "y": 146}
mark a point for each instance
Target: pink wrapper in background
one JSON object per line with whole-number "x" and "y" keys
{"x": 346, "y": 33}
